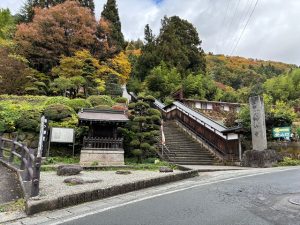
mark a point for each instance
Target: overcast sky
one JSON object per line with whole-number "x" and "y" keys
{"x": 272, "y": 32}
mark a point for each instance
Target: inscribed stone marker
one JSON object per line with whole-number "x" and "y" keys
{"x": 258, "y": 123}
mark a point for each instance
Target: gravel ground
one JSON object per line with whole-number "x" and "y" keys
{"x": 53, "y": 186}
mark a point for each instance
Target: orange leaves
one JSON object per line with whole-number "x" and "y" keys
{"x": 59, "y": 30}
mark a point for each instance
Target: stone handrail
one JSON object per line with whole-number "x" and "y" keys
{"x": 24, "y": 161}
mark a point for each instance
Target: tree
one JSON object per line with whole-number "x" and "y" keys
{"x": 7, "y": 28}
{"x": 13, "y": 73}
{"x": 163, "y": 81}
{"x": 143, "y": 129}
{"x": 27, "y": 13}
{"x": 115, "y": 37}
{"x": 79, "y": 71}
{"x": 149, "y": 58}
{"x": 179, "y": 45}
{"x": 59, "y": 30}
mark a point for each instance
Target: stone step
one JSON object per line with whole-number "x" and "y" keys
{"x": 186, "y": 150}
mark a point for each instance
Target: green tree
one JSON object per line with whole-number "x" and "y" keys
{"x": 149, "y": 58}
{"x": 163, "y": 81}
{"x": 79, "y": 71}
{"x": 142, "y": 131}
{"x": 179, "y": 45}
{"x": 7, "y": 28}
{"x": 110, "y": 13}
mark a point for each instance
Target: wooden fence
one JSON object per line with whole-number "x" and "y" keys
{"x": 25, "y": 161}
{"x": 102, "y": 143}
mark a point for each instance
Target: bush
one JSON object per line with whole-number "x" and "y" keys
{"x": 121, "y": 100}
{"x": 289, "y": 162}
{"x": 78, "y": 103}
{"x": 154, "y": 112}
{"x": 57, "y": 100}
{"x": 100, "y": 100}
{"x": 103, "y": 107}
{"x": 58, "y": 112}
{"x": 29, "y": 121}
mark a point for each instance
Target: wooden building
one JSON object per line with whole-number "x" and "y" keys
{"x": 103, "y": 145}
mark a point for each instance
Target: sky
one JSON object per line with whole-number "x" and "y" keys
{"x": 259, "y": 29}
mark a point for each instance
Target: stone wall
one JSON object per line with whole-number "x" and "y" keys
{"x": 110, "y": 157}
{"x": 27, "y": 138}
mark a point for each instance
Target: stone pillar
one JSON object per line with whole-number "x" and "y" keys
{"x": 258, "y": 123}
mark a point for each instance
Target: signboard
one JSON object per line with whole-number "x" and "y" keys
{"x": 281, "y": 132}
{"x": 62, "y": 135}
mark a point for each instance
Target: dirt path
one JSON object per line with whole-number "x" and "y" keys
{"x": 10, "y": 189}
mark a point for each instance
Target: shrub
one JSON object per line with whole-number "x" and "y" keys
{"x": 121, "y": 100}
{"x": 57, "y": 100}
{"x": 103, "y": 107}
{"x": 289, "y": 162}
{"x": 57, "y": 112}
{"x": 29, "y": 121}
{"x": 100, "y": 100}
{"x": 78, "y": 103}
{"x": 154, "y": 112}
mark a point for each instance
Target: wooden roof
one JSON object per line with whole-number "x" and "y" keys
{"x": 102, "y": 115}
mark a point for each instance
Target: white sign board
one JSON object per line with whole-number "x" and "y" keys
{"x": 62, "y": 135}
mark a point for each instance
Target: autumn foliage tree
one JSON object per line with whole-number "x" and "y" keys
{"x": 13, "y": 72}
{"x": 59, "y": 30}
{"x": 27, "y": 12}
{"x": 79, "y": 71}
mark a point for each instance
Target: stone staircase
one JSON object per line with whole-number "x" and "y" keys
{"x": 183, "y": 148}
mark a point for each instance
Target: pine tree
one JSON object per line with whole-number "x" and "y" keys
{"x": 111, "y": 14}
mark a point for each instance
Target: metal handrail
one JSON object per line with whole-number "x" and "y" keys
{"x": 29, "y": 163}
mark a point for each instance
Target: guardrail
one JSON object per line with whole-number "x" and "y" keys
{"x": 24, "y": 161}
{"x": 102, "y": 143}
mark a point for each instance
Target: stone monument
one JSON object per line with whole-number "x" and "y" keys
{"x": 258, "y": 123}
{"x": 260, "y": 156}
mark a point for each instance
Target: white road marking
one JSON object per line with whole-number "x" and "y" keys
{"x": 161, "y": 194}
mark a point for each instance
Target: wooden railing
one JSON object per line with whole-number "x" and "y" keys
{"x": 24, "y": 160}
{"x": 102, "y": 143}
{"x": 226, "y": 149}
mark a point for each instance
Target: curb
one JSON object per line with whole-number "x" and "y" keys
{"x": 33, "y": 207}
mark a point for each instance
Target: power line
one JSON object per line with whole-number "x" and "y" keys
{"x": 244, "y": 28}
{"x": 240, "y": 22}
{"x": 223, "y": 23}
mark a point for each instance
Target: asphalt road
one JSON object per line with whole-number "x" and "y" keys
{"x": 10, "y": 189}
{"x": 253, "y": 200}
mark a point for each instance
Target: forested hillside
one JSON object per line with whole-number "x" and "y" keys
{"x": 239, "y": 72}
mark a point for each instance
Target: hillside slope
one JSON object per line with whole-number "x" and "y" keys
{"x": 240, "y": 72}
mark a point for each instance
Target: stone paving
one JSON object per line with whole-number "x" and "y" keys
{"x": 9, "y": 186}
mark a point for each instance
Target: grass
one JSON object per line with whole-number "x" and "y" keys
{"x": 147, "y": 164}
{"x": 18, "y": 205}
{"x": 152, "y": 164}
{"x": 61, "y": 160}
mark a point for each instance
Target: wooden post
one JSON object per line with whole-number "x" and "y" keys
{"x": 1, "y": 146}
{"x": 23, "y": 155}
{"x": 13, "y": 149}
{"x": 35, "y": 186}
